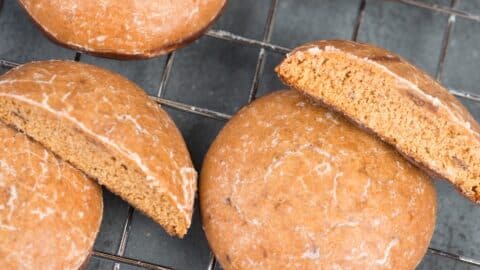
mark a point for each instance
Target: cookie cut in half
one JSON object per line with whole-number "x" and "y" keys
{"x": 107, "y": 127}
{"x": 290, "y": 185}
{"x": 50, "y": 213}
{"x": 124, "y": 29}
{"x": 386, "y": 95}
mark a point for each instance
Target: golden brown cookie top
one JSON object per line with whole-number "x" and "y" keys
{"x": 290, "y": 185}
{"x": 127, "y": 28}
{"x": 50, "y": 213}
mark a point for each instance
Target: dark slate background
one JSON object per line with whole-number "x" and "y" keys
{"x": 217, "y": 75}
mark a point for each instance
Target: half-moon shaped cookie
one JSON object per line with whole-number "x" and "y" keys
{"x": 107, "y": 127}
{"x": 388, "y": 96}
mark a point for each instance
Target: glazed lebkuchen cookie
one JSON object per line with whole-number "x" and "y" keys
{"x": 290, "y": 185}
{"x": 386, "y": 95}
{"x": 124, "y": 29}
{"x": 50, "y": 213}
{"x": 107, "y": 127}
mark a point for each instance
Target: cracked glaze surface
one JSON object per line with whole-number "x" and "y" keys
{"x": 50, "y": 213}
{"x": 128, "y": 27}
{"x": 288, "y": 184}
{"x": 115, "y": 113}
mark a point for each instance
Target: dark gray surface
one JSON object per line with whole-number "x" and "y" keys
{"x": 115, "y": 213}
{"x": 150, "y": 243}
{"x": 312, "y": 20}
{"x": 463, "y": 59}
{"x": 96, "y": 263}
{"x": 244, "y": 17}
{"x": 217, "y": 75}
{"x": 432, "y": 262}
{"x": 438, "y": 2}
{"x": 21, "y": 40}
{"x": 299, "y": 22}
{"x": 414, "y": 33}
{"x": 214, "y": 81}
{"x": 146, "y": 73}
{"x": 472, "y": 6}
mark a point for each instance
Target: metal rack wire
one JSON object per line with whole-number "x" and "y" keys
{"x": 265, "y": 45}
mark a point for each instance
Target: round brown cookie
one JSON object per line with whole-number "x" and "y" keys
{"x": 386, "y": 95}
{"x": 124, "y": 29}
{"x": 50, "y": 213}
{"x": 107, "y": 127}
{"x": 290, "y": 185}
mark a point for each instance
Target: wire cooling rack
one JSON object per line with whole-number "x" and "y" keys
{"x": 265, "y": 45}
